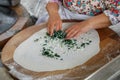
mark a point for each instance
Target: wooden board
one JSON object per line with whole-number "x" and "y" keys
{"x": 109, "y": 44}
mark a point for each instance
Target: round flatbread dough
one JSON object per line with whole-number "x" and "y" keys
{"x": 29, "y": 54}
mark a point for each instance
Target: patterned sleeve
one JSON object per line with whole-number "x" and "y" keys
{"x": 113, "y": 11}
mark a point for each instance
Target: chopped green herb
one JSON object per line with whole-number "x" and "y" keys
{"x": 57, "y": 34}
{"x": 44, "y": 44}
{"x": 78, "y": 47}
{"x": 49, "y": 53}
{"x": 70, "y": 43}
{"x": 61, "y": 59}
{"x": 36, "y": 40}
{"x": 83, "y": 45}
{"x": 57, "y": 55}
{"x": 60, "y": 36}
{"x": 45, "y": 36}
{"x": 87, "y": 43}
{"x": 46, "y": 41}
{"x": 90, "y": 41}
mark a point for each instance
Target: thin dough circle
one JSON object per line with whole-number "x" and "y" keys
{"x": 28, "y": 53}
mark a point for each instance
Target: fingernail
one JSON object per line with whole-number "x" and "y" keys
{"x": 50, "y": 34}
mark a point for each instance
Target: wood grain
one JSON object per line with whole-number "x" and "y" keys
{"x": 109, "y": 47}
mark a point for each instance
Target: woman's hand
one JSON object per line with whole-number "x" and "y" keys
{"x": 96, "y": 22}
{"x": 77, "y": 29}
{"x": 54, "y": 23}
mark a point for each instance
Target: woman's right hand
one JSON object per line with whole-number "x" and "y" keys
{"x": 54, "y": 23}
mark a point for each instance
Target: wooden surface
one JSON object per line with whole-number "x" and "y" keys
{"x": 109, "y": 44}
{"x": 22, "y": 22}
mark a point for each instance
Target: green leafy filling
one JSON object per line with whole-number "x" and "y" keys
{"x": 58, "y": 34}
{"x": 61, "y": 35}
{"x": 70, "y": 43}
{"x": 49, "y": 53}
{"x": 36, "y": 40}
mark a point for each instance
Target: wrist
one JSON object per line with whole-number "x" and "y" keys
{"x": 52, "y": 8}
{"x": 53, "y": 13}
{"x": 99, "y": 21}
{"x": 90, "y": 24}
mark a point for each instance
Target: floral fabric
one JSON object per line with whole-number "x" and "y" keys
{"x": 111, "y": 8}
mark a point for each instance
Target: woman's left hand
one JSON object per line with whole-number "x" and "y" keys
{"x": 77, "y": 29}
{"x": 96, "y": 22}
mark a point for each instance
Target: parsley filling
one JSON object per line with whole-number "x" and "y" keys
{"x": 60, "y": 35}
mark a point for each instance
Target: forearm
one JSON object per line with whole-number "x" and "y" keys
{"x": 99, "y": 21}
{"x": 52, "y": 8}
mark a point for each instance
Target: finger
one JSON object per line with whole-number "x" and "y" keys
{"x": 51, "y": 29}
{"x": 48, "y": 28}
{"x": 69, "y": 29}
{"x": 72, "y": 34}
{"x": 58, "y": 26}
{"x": 77, "y": 34}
